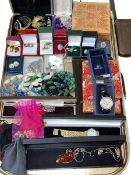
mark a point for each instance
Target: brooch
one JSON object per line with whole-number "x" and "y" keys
{"x": 22, "y": 23}
{"x": 38, "y": 21}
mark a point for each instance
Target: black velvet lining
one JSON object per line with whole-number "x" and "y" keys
{"x": 31, "y": 6}
{"x": 48, "y": 131}
{"x": 14, "y": 32}
{"x": 45, "y": 156}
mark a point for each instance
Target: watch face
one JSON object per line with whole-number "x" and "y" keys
{"x": 92, "y": 132}
{"x": 106, "y": 103}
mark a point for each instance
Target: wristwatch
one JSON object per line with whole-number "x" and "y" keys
{"x": 106, "y": 102}
{"x": 67, "y": 133}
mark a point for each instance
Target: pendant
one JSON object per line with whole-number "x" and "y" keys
{"x": 66, "y": 158}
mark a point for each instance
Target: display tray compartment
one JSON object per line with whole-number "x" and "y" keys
{"x": 46, "y": 153}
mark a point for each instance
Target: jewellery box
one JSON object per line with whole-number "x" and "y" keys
{"x": 46, "y": 41}
{"x": 88, "y": 42}
{"x": 77, "y": 135}
{"x": 103, "y": 82}
{"x": 60, "y": 41}
{"x": 74, "y": 43}
{"x": 30, "y": 9}
{"x": 62, "y": 12}
{"x": 29, "y": 41}
{"x": 14, "y": 46}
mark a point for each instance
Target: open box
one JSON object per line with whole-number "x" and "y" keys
{"x": 62, "y": 12}
{"x": 55, "y": 148}
{"x": 30, "y": 9}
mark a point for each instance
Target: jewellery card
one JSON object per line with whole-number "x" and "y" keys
{"x": 33, "y": 65}
{"x": 46, "y": 41}
{"x": 62, "y": 11}
{"x": 14, "y": 65}
{"x": 74, "y": 43}
{"x": 60, "y": 41}
{"x": 30, "y": 42}
{"x": 14, "y": 46}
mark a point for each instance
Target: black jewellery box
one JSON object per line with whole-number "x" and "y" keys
{"x": 104, "y": 153}
{"x": 30, "y": 9}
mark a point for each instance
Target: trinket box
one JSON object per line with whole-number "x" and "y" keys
{"x": 14, "y": 46}
{"x": 60, "y": 41}
{"x": 104, "y": 44}
{"x": 46, "y": 41}
{"x": 29, "y": 41}
{"x": 62, "y": 12}
{"x": 74, "y": 43}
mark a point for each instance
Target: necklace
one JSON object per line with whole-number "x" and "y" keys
{"x": 72, "y": 155}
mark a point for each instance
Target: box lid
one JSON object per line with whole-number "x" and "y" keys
{"x": 62, "y": 7}
{"x": 31, "y": 6}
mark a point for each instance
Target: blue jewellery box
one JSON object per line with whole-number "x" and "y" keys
{"x": 104, "y": 100}
{"x": 14, "y": 65}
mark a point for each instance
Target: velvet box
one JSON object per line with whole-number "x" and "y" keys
{"x": 60, "y": 41}
{"x": 14, "y": 65}
{"x": 74, "y": 43}
{"x": 88, "y": 42}
{"x": 62, "y": 12}
{"x": 30, "y": 42}
{"x": 46, "y": 41}
{"x": 102, "y": 77}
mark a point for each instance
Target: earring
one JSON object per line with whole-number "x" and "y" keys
{"x": 14, "y": 65}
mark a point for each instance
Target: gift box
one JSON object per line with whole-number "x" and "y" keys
{"x": 14, "y": 65}
{"x": 14, "y": 46}
{"x": 88, "y": 42}
{"x": 30, "y": 15}
{"x": 104, "y": 99}
{"x": 46, "y": 41}
{"x": 60, "y": 41}
{"x": 30, "y": 43}
{"x": 74, "y": 43}
{"x": 62, "y": 12}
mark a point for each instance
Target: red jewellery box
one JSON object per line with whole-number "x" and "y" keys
{"x": 30, "y": 42}
{"x": 60, "y": 41}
